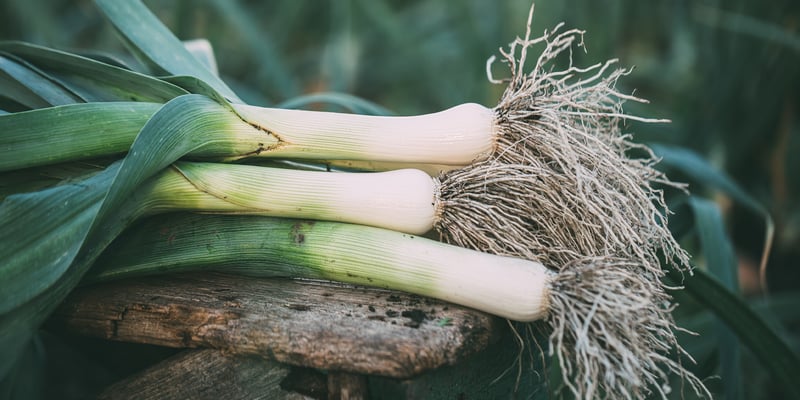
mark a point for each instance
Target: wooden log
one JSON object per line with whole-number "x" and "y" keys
{"x": 205, "y": 374}
{"x": 306, "y": 323}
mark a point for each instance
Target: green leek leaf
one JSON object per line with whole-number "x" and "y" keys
{"x": 70, "y": 132}
{"x": 29, "y": 87}
{"x": 65, "y": 228}
{"x": 94, "y": 80}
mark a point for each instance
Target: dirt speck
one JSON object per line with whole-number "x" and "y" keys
{"x": 415, "y": 315}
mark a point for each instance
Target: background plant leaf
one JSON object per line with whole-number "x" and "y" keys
{"x": 772, "y": 351}
{"x": 702, "y": 172}
{"x": 342, "y": 101}
{"x": 150, "y": 40}
{"x": 720, "y": 260}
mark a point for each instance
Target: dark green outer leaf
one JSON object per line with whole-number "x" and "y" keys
{"x": 94, "y": 80}
{"x": 24, "y": 98}
{"x": 751, "y": 329}
{"x": 71, "y": 132}
{"x": 150, "y": 39}
{"x": 180, "y": 126}
{"x": 29, "y": 87}
{"x": 43, "y": 233}
{"x": 40, "y": 178}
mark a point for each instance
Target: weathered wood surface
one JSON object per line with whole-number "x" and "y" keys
{"x": 306, "y": 323}
{"x": 205, "y": 374}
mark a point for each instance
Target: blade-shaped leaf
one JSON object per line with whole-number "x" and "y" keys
{"x": 40, "y": 178}
{"x": 721, "y": 261}
{"x": 29, "y": 87}
{"x": 751, "y": 329}
{"x": 182, "y": 125}
{"x": 699, "y": 169}
{"x": 150, "y": 39}
{"x": 71, "y": 132}
{"x": 93, "y": 80}
{"x": 44, "y": 232}
{"x": 202, "y": 50}
{"x": 716, "y": 246}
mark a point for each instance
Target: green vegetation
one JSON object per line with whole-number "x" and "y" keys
{"x": 724, "y": 73}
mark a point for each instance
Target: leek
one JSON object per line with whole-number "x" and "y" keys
{"x": 402, "y": 200}
{"x": 271, "y": 247}
{"x": 456, "y": 136}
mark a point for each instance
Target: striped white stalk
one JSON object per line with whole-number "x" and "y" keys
{"x": 456, "y": 136}
{"x": 403, "y": 200}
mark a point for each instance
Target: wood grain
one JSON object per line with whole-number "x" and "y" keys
{"x": 305, "y": 323}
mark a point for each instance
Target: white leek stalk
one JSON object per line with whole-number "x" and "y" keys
{"x": 403, "y": 200}
{"x": 456, "y": 136}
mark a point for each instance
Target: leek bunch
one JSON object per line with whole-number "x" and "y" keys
{"x": 552, "y": 219}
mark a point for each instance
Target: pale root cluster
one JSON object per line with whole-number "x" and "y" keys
{"x": 563, "y": 188}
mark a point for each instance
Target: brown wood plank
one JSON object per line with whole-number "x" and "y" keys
{"x": 307, "y": 323}
{"x": 205, "y": 374}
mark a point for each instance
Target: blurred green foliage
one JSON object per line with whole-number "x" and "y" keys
{"x": 726, "y": 72}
